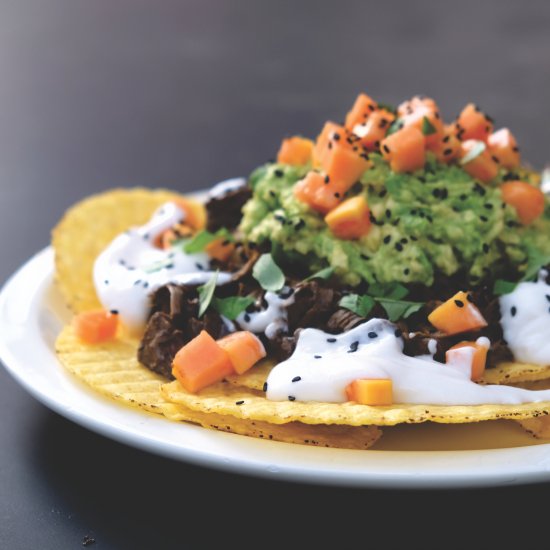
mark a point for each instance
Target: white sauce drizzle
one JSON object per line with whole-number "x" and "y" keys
{"x": 525, "y": 320}
{"x": 270, "y": 320}
{"x": 131, "y": 267}
{"x": 223, "y": 188}
{"x": 324, "y": 364}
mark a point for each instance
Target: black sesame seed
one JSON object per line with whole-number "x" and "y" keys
{"x": 279, "y": 173}
{"x": 446, "y": 139}
{"x": 122, "y": 262}
{"x": 327, "y": 179}
{"x": 239, "y": 402}
{"x": 247, "y": 318}
{"x": 353, "y": 347}
{"x": 413, "y": 238}
{"x": 495, "y": 159}
{"x": 331, "y": 340}
{"x": 485, "y": 248}
{"x": 388, "y": 213}
{"x": 114, "y": 312}
{"x": 459, "y": 303}
{"x": 146, "y": 236}
{"x": 291, "y": 398}
{"x": 296, "y": 378}
{"x": 386, "y": 149}
{"x": 513, "y": 311}
{"x": 145, "y": 284}
{"x": 382, "y": 193}
{"x": 404, "y": 240}
{"x": 137, "y": 282}
{"x": 397, "y": 333}
{"x": 447, "y": 152}
{"x": 372, "y": 334}
{"x": 488, "y": 206}
{"x": 483, "y": 218}
{"x": 199, "y": 266}
{"x": 469, "y": 298}
{"x": 398, "y": 247}
{"x": 105, "y": 282}
{"x": 337, "y": 195}
{"x": 463, "y": 197}
{"x": 387, "y": 239}
{"x": 317, "y": 356}
{"x": 548, "y": 297}
{"x": 365, "y": 257}
{"x": 406, "y": 271}
{"x": 265, "y": 387}
{"x": 336, "y": 136}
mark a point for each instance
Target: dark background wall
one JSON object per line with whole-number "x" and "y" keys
{"x": 103, "y": 93}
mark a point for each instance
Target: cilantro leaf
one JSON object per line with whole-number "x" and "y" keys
{"x": 233, "y": 306}
{"x": 361, "y": 305}
{"x": 536, "y": 260}
{"x": 387, "y": 107}
{"x": 503, "y": 287}
{"x": 268, "y": 273}
{"x": 399, "y": 309}
{"x": 202, "y": 239}
{"x": 395, "y": 126}
{"x": 325, "y": 273}
{"x": 394, "y": 291}
{"x": 473, "y": 153}
{"x": 206, "y": 293}
{"x": 427, "y": 127}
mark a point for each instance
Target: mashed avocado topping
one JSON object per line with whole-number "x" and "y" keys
{"x": 435, "y": 221}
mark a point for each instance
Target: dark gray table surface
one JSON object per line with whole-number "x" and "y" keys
{"x": 96, "y": 94}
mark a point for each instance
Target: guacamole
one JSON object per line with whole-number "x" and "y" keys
{"x": 434, "y": 222}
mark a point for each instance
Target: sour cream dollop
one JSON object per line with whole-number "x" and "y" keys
{"x": 131, "y": 268}
{"x": 324, "y": 364}
{"x": 525, "y": 320}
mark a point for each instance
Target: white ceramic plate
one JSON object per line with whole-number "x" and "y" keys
{"x": 32, "y": 313}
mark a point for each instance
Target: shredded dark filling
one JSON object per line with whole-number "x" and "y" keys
{"x": 174, "y": 319}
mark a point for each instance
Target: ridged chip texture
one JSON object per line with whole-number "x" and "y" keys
{"x": 87, "y": 228}
{"x": 112, "y": 369}
{"x": 226, "y": 398}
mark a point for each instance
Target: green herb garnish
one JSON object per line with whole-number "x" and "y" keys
{"x": 395, "y": 126}
{"x": 399, "y": 309}
{"x": 427, "y": 127}
{"x": 360, "y": 305}
{"x": 206, "y": 293}
{"x": 325, "y": 273}
{"x": 233, "y": 306}
{"x": 473, "y": 153}
{"x": 503, "y": 287}
{"x": 393, "y": 291}
{"x": 388, "y": 107}
{"x": 268, "y": 273}
{"x": 202, "y": 239}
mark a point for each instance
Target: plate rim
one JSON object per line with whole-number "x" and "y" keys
{"x": 451, "y": 469}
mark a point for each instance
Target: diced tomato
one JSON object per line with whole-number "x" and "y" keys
{"x": 350, "y": 219}
{"x": 344, "y": 166}
{"x": 244, "y": 349}
{"x": 527, "y": 200}
{"x": 458, "y": 314}
{"x": 330, "y": 134}
{"x": 473, "y": 124}
{"x": 502, "y": 145}
{"x": 482, "y": 167}
{"x": 296, "y": 151}
{"x": 423, "y": 116}
{"x": 447, "y": 147}
{"x": 478, "y": 360}
{"x": 374, "y": 129}
{"x": 200, "y": 363}
{"x": 94, "y": 327}
{"x": 411, "y": 105}
{"x": 316, "y": 191}
{"x": 363, "y": 106}
{"x": 405, "y": 150}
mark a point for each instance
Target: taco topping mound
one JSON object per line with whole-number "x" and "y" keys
{"x": 395, "y": 259}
